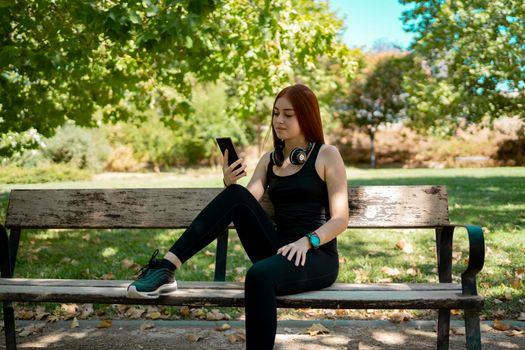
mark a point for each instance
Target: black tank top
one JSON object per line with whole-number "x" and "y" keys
{"x": 300, "y": 200}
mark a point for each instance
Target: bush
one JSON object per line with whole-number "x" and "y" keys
{"x": 511, "y": 152}
{"x": 80, "y": 147}
{"x": 122, "y": 159}
{"x": 475, "y": 146}
{"x": 188, "y": 141}
{"x": 42, "y": 173}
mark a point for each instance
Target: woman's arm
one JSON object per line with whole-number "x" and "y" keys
{"x": 336, "y": 183}
{"x": 257, "y": 184}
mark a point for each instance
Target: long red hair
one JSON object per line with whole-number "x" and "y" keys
{"x": 306, "y": 109}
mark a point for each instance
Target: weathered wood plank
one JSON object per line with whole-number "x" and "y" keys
{"x": 235, "y": 297}
{"x": 73, "y": 283}
{"x": 370, "y": 207}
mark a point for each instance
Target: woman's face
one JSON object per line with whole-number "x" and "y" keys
{"x": 285, "y": 121}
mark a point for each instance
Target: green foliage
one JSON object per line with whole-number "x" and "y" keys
{"x": 189, "y": 140}
{"x": 472, "y": 52}
{"x": 377, "y": 96}
{"x": 42, "y": 173}
{"x": 66, "y": 59}
{"x": 82, "y": 148}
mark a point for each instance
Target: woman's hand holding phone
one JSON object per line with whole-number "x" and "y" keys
{"x": 232, "y": 176}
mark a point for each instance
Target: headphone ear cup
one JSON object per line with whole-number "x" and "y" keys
{"x": 297, "y": 156}
{"x": 275, "y": 159}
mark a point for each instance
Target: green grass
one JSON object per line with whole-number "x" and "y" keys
{"x": 491, "y": 197}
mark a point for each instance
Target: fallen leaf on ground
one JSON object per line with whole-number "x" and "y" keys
{"x": 184, "y": 311}
{"x": 237, "y": 247}
{"x": 209, "y": 253}
{"x": 215, "y": 315}
{"x": 240, "y": 270}
{"x": 74, "y": 323}
{"x": 31, "y": 329}
{"x": 154, "y": 315}
{"x": 147, "y": 325}
{"x": 40, "y": 313}
{"x": 361, "y": 276}
{"x": 236, "y": 337}
{"x": 24, "y": 314}
{"x": 458, "y": 330}
{"x": 105, "y": 324}
{"x": 223, "y": 328}
{"x": 500, "y": 326}
{"x": 412, "y": 271}
{"x": 398, "y": 317}
{"x": 193, "y": 338}
{"x": 390, "y": 271}
{"x": 485, "y": 327}
{"x": 121, "y": 308}
{"x": 108, "y": 276}
{"x": 53, "y": 318}
{"x": 87, "y": 310}
{"x": 69, "y": 310}
{"x": 455, "y": 312}
{"x": 317, "y": 329}
{"x": 135, "y": 312}
{"x": 516, "y": 284}
{"x": 405, "y": 246}
{"x": 128, "y": 264}
{"x": 198, "y": 313}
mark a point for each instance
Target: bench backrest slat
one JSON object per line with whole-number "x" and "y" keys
{"x": 370, "y": 206}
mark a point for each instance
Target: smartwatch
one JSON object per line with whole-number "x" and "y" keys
{"x": 314, "y": 239}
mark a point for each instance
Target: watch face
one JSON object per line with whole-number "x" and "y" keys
{"x": 314, "y": 240}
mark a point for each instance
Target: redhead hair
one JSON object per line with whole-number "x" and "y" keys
{"x": 306, "y": 109}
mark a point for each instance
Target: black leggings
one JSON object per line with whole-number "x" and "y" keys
{"x": 271, "y": 274}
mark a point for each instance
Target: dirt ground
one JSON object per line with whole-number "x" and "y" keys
{"x": 362, "y": 335}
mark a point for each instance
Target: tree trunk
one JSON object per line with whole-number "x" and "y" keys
{"x": 372, "y": 133}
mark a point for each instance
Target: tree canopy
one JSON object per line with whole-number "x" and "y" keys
{"x": 66, "y": 59}
{"x": 474, "y": 53}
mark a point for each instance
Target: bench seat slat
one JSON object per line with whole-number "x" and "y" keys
{"x": 388, "y": 298}
{"x": 73, "y": 283}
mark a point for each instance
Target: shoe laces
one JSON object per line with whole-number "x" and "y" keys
{"x": 144, "y": 270}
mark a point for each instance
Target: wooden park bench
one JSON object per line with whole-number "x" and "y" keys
{"x": 378, "y": 207}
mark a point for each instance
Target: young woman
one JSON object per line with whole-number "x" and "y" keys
{"x": 306, "y": 182}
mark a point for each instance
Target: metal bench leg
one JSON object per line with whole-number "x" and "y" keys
{"x": 443, "y": 329}
{"x": 472, "y": 329}
{"x": 220, "y": 256}
{"x": 9, "y": 325}
{"x": 6, "y": 271}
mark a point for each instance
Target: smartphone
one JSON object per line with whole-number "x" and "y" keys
{"x": 225, "y": 143}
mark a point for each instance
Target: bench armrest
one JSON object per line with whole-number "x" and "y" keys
{"x": 476, "y": 258}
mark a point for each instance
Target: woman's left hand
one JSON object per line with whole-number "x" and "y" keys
{"x": 298, "y": 249}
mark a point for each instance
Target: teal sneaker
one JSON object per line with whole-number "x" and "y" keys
{"x": 154, "y": 280}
